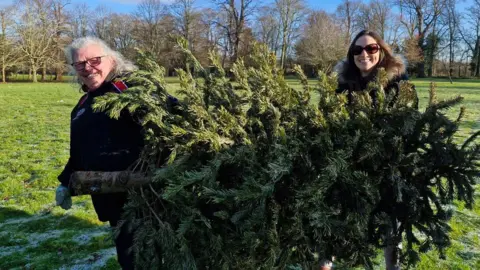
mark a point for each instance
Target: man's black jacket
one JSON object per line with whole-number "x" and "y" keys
{"x": 100, "y": 143}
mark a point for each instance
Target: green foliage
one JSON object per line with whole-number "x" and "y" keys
{"x": 34, "y": 134}
{"x": 261, "y": 177}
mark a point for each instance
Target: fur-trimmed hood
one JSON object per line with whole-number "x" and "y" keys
{"x": 395, "y": 69}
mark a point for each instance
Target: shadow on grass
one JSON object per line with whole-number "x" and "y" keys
{"x": 8, "y": 213}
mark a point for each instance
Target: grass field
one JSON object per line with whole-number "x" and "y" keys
{"x": 34, "y": 141}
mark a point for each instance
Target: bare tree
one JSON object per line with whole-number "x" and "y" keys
{"x": 424, "y": 14}
{"x": 154, "y": 30}
{"x": 291, "y": 14}
{"x": 408, "y": 20}
{"x": 322, "y": 43}
{"x": 470, "y": 34}
{"x": 375, "y": 16}
{"x": 267, "y": 28}
{"x": 149, "y": 31}
{"x": 36, "y": 33}
{"x": 210, "y": 34}
{"x": 60, "y": 38}
{"x": 9, "y": 54}
{"x": 99, "y": 23}
{"x": 232, "y": 19}
{"x": 364, "y": 17}
{"x": 451, "y": 17}
{"x": 185, "y": 17}
{"x": 79, "y": 19}
{"x": 121, "y": 28}
{"x": 346, "y": 14}
{"x": 395, "y": 34}
{"x": 193, "y": 27}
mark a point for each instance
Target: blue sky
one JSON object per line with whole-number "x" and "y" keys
{"x": 126, "y": 6}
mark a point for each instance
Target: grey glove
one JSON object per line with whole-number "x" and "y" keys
{"x": 63, "y": 197}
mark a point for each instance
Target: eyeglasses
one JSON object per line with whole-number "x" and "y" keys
{"x": 93, "y": 62}
{"x": 370, "y": 49}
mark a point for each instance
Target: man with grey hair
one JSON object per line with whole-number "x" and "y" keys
{"x": 98, "y": 142}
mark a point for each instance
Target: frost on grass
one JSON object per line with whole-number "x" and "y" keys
{"x": 7, "y": 251}
{"x": 37, "y": 238}
{"x": 84, "y": 238}
{"x": 34, "y": 240}
{"x": 93, "y": 261}
{"x": 23, "y": 220}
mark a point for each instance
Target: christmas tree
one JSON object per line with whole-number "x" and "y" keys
{"x": 250, "y": 173}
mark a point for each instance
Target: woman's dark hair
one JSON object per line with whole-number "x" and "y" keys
{"x": 387, "y": 59}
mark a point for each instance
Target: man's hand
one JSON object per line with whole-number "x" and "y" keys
{"x": 63, "y": 197}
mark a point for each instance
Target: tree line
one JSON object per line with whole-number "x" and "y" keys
{"x": 433, "y": 36}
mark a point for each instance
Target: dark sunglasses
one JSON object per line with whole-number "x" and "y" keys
{"x": 370, "y": 49}
{"x": 93, "y": 62}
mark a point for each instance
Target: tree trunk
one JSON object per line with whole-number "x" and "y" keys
{"x": 421, "y": 64}
{"x": 477, "y": 66}
{"x": 235, "y": 50}
{"x": 452, "y": 58}
{"x": 421, "y": 34}
{"x": 467, "y": 67}
{"x": 283, "y": 56}
{"x": 4, "y": 79}
{"x": 44, "y": 72}
{"x": 58, "y": 74}
{"x": 431, "y": 60}
{"x": 475, "y": 58}
{"x": 421, "y": 69}
{"x": 34, "y": 73}
{"x": 284, "y": 48}
{"x": 450, "y": 72}
{"x": 430, "y": 68}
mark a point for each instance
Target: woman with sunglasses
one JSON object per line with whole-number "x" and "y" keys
{"x": 98, "y": 142}
{"x": 368, "y": 52}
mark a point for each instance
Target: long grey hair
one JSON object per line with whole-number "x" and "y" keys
{"x": 121, "y": 66}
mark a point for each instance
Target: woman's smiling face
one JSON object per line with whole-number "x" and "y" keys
{"x": 366, "y": 61}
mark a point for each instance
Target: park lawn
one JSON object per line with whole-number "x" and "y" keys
{"x": 34, "y": 136}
